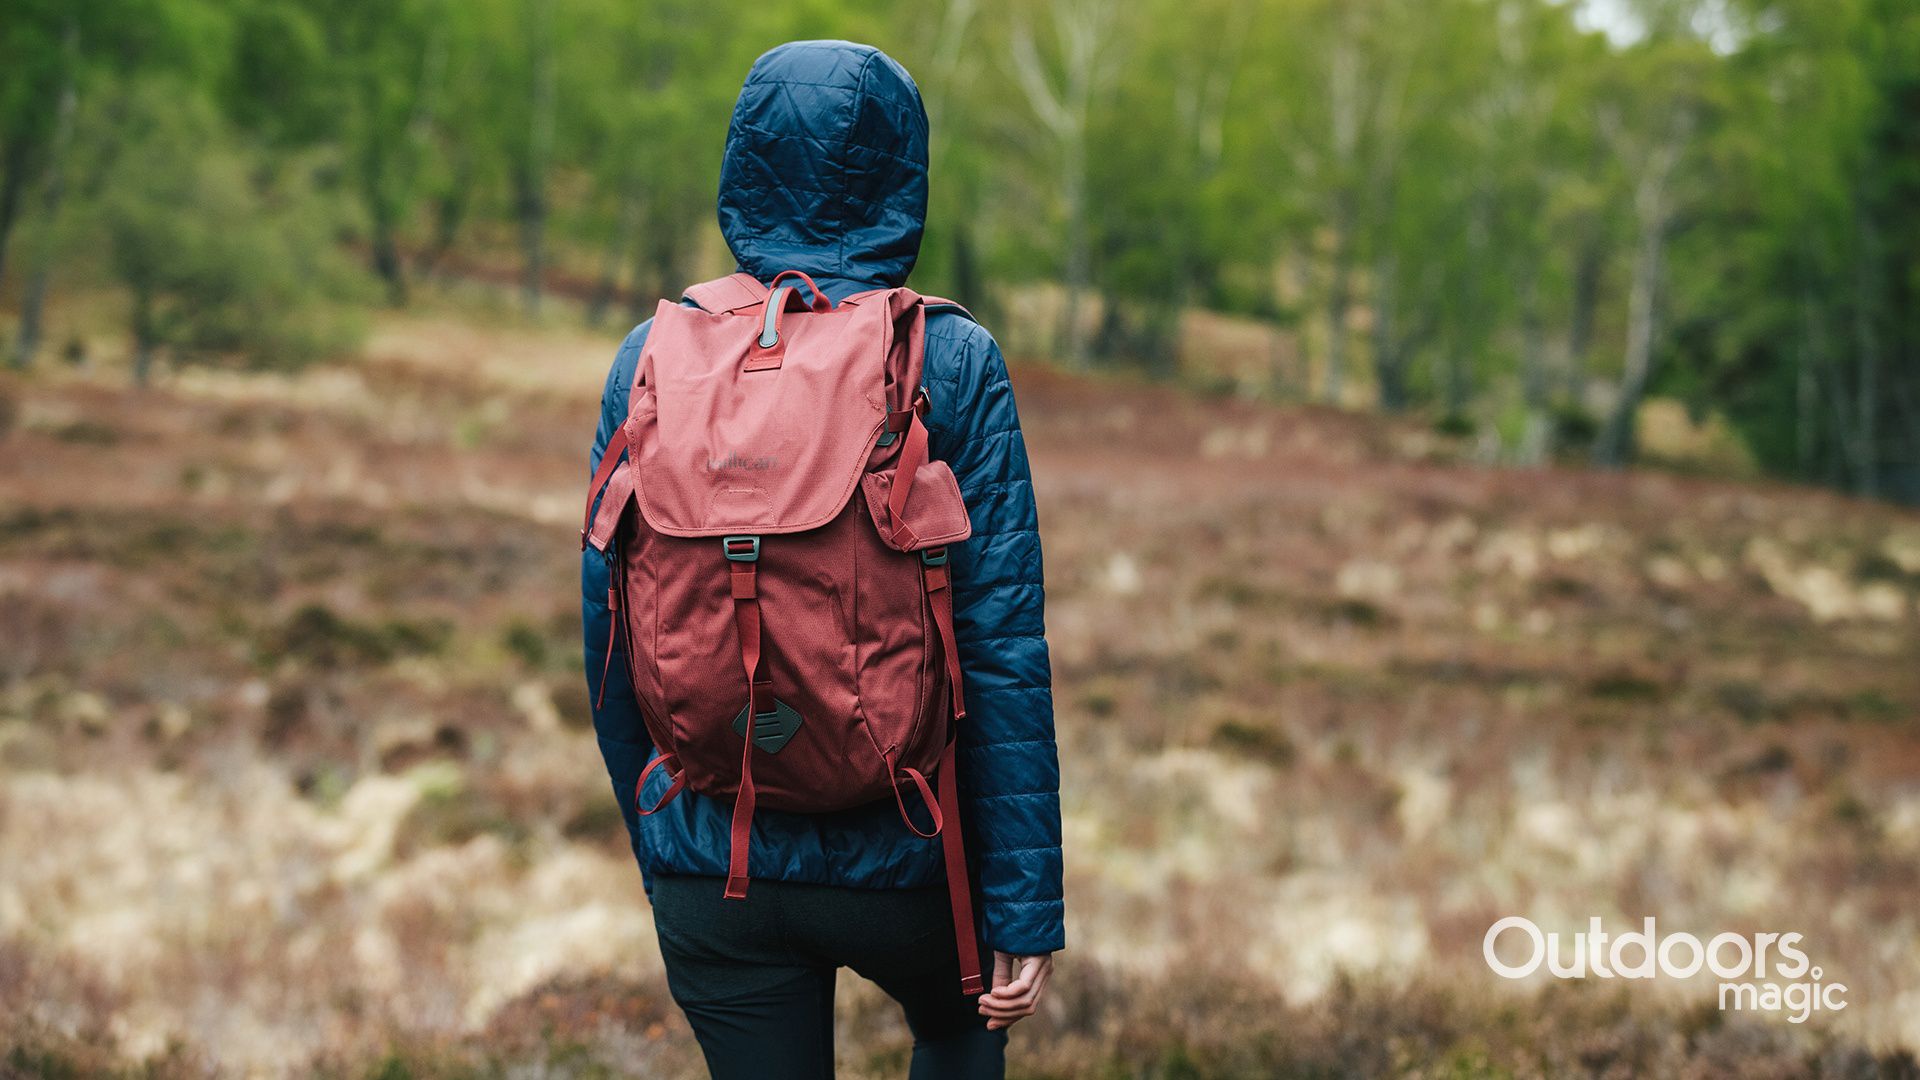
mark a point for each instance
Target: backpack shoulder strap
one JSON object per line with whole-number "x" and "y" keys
{"x": 934, "y": 305}
{"x": 730, "y": 293}
{"x": 937, "y": 304}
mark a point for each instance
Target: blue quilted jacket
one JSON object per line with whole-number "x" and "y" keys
{"x": 826, "y": 172}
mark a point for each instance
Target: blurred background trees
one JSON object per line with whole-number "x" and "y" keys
{"x": 1518, "y": 218}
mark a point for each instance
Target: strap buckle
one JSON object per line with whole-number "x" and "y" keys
{"x": 933, "y": 556}
{"x": 741, "y": 548}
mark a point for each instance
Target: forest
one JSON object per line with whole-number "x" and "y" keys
{"x": 1520, "y": 217}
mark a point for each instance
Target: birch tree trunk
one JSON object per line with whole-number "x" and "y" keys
{"x": 14, "y": 157}
{"x": 1459, "y": 375}
{"x": 145, "y": 336}
{"x": 34, "y": 303}
{"x": 1339, "y": 302}
{"x": 1079, "y": 259}
{"x": 1653, "y": 215}
{"x": 1082, "y": 27}
{"x": 1388, "y": 361}
{"x": 613, "y": 257}
{"x": 1536, "y": 438}
{"x": 530, "y": 193}
{"x": 1343, "y": 113}
{"x": 449, "y": 214}
{"x": 1588, "y": 267}
{"x": 1866, "y": 334}
{"x": 941, "y": 88}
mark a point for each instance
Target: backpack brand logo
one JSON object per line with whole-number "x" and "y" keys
{"x": 741, "y": 463}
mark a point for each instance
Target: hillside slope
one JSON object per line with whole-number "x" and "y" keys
{"x": 298, "y": 771}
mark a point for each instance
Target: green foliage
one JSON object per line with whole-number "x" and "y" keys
{"x": 1495, "y": 208}
{"x": 217, "y": 261}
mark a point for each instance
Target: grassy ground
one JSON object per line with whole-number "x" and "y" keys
{"x": 296, "y": 770}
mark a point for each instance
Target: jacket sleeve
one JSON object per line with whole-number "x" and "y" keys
{"x": 1009, "y": 770}
{"x": 624, "y": 743}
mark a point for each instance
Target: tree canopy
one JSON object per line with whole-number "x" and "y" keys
{"x": 1521, "y": 217}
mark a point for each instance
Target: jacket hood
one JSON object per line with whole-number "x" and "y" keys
{"x": 825, "y": 169}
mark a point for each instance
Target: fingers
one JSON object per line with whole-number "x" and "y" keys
{"x": 1005, "y": 1005}
{"x": 1023, "y": 981}
{"x": 1004, "y": 1013}
{"x": 1014, "y": 996}
{"x": 1019, "y": 996}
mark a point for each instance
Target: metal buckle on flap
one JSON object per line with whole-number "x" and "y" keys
{"x": 741, "y": 548}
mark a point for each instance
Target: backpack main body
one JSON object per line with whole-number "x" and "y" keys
{"x": 777, "y": 537}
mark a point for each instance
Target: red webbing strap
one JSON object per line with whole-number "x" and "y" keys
{"x": 613, "y": 506}
{"x": 730, "y": 293}
{"x": 933, "y": 568}
{"x": 913, "y": 454}
{"x": 742, "y": 838}
{"x": 959, "y": 889}
{"x": 940, "y": 595}
{"x": 746, "y": 619}
{"x": 609, "y": 460}
{"x": 613, "y": 631}
{"x": 926, "y": 795}
{"x": 679, "y": 781}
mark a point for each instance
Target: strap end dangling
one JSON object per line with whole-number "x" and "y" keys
{"x": 740, "y": 839}
{"x": 606, "y": 662}
{"x": 679, "y": 775}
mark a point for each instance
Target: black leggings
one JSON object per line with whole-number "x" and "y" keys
{"x": 755, "y": 976}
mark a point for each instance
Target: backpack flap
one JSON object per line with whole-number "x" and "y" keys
{"x": 728, "y": 443}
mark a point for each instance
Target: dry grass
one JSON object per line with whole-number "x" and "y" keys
{"x": 298, "y": 776}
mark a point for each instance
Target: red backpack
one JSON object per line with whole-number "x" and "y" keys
{"x": 783, "y": 586}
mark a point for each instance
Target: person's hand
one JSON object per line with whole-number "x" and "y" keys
{"x": 1017, "y": 982}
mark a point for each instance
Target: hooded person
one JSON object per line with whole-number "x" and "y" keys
{"x": 825, "y": 172}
